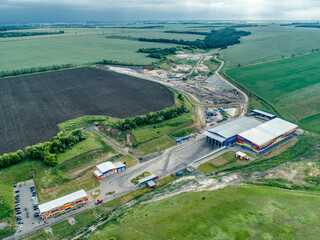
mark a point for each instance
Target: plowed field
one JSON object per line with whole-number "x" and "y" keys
{"x": 31, "y": 106}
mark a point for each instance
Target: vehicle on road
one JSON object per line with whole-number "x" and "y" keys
{"x": 99, "y": 201}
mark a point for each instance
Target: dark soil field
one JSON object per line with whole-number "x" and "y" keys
{"x": 31, "y": 106}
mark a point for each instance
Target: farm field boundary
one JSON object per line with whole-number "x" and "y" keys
{"x": 290, "y": 87}
{"x": 32, "y": 106}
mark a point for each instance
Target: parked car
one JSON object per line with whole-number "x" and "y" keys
{"x": 36, "y": 214}
{"x": 28, "y": 215}
{"x": 16, "y": 191}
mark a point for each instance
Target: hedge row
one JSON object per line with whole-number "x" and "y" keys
{"x": 45, "y": 152}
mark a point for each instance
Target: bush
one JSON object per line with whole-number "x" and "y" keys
{"x": 46, "y": 151}
{"x": 151, "y": 118}
{"x": 33, "y": 70}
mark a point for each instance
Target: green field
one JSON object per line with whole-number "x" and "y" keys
{"x": 91, "y": 143}
{"x": 291, "y": 85}
{"x": 225, "y": 160}
{"x": 83, "y": 45}
{"x": 247, "y": 212}
{"x": 272, "y": 42}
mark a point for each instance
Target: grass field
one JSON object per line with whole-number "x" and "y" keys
{"x": 142, "y": 175}
{"x": 225, "y": 160}
{"x": 91, "y": 143}
{"x": 291, "y": 85}
{"x": 268, "y": 43}
{"x": 65, "y": 229}
{"x": 246, "y": 212}
{"x": 32, "y": 106}
{"x": 84, "y": 45}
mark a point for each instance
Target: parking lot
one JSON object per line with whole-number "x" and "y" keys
{"x": 26, "y": 206}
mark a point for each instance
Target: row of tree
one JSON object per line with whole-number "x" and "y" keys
{"x": 6, "y": 34}
{"x": 159, "y": 53}
{"x": 17, "y": 72}
{"x": 151, "y": 118}
{"x": 215, "y": 39}
{"x": 188, "y": 32}
{"x": 46, "y": 151}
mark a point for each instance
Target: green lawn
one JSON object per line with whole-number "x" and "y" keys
{"x": 225, "y": 160}
{"x": 149, "y": 132}
{"x": 246, "y": 212}
{"x": 65, "y": 229}
{"x": 142, "y": 175}
{"x": 291, "y": 85}
{"x": 154, "y": 145}
{"x": 268, "y": 43}
{"x": 91, "y": 143}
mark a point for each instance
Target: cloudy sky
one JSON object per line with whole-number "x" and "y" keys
{"x": 22, "y": 11}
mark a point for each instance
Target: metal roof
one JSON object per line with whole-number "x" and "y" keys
{"x": 263, "y": 113}
{"x": 151, "y": 183}
{"x": 214, "y": 136}
{"x": 62, "y": 200}
{"x": 98, "y": 173}
{"x": 268, "y": 131}
{"x": 152, "y": 176}
{"x": 241, "y": 154}
{"x": 105, "y": 167}
{"x": 119, "y": 165}
{"x": 235, "y": 127}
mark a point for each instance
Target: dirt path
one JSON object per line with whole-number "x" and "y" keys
{"x": 246, "y": 98}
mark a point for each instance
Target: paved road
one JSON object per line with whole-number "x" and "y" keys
{"x": 171, "y": 161}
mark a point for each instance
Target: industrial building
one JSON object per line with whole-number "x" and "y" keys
{"x": 226, "y": 134}
{"x": 263, "y": 114}
{"x": 267, "y": 134}
{"x": 250, "y": 133}
{"x": 109, "y": 168}
{"x": 63, "y": 204}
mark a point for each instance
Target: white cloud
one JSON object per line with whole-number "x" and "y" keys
{"x": 190, "y": 9}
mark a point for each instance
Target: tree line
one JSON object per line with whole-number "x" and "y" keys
{"x": 151, "y": 118}
{"x": 45, "y": 152}
{"x": 6, "y": 34}
{"x": 17, "y": 72}
{"x": 221, "y": 38}
{"x": 159, "y": 53}
{"x": 188, "y": 32}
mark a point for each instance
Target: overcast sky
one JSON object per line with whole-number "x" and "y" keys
{"x": 22, "y": 11}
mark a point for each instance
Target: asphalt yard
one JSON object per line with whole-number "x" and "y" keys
{"x": 25, "y": 209}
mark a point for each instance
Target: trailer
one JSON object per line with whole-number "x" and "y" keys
{"x": 151, "y": 184}
{"x": 242, "y": 155}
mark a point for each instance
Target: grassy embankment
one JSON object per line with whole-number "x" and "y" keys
{"x": 290, "y": 85}
{"x": 224, "y": 161}
{"x": 231, "y": 213}
{"x": 155, "y": 137}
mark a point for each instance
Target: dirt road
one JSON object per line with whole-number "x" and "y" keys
{"x": 246, "y": 98}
